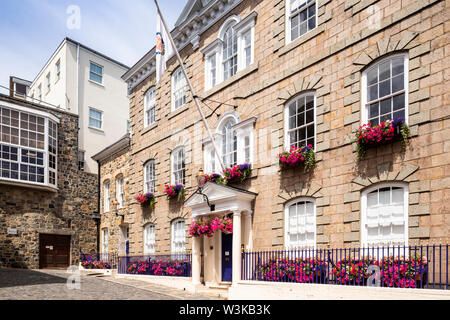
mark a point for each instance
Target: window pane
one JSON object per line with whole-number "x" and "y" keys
{"x": 385, "y": 70}
{"x": 385, "y": 88}
{"x": 385, "y": 106}
{"x": 398, "y": 83}
{"x": 399, "y": 102}
{"x": 397, "y": 66}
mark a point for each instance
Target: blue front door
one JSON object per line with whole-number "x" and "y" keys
{"x": 227, "y": 245}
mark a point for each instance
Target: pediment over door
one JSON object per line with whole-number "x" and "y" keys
{"x": 225, "y": 198}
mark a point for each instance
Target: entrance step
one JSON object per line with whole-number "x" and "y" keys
{"x": 220, "y": 290}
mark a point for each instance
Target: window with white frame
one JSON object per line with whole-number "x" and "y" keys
{"x": 58, "y": 70}
{"x": 300, "y": 223}
{"x": 300, "y": 121}
{"x": 149, "y": 239}
{"x": 96, "y": 73}
{"x": 120, "y": 192}
{"x": 178, "y": 166}
{"x": 385, "y": 214}
{"x": 178, "y": 236}
{"x": 234, "y": 141}
{"x": 28, "y": 147}
{"x": 232, "y": 51}
{"x": 149, "y": 177}
{"x": 105, "y": 236}
{"x": 95, "y": 118}
{"x": 301, "y": 17}
{"x": 150, "y": 107}
{"x": 229, "y": 143}
{"x": 48, "y": 82}
{"x": 178, "y": 89}
{"x": 106, "y": 196}
{"x": 385, "y": 90}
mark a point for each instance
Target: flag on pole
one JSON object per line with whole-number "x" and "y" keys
{"x": 164, "y": 48}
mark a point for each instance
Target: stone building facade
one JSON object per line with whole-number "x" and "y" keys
{"x": 114, "y": 166}
{"x": 33, "y": 207}
{"x": 328, "y": 65}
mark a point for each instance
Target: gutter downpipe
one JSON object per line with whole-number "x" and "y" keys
{"x": 98, "y": 219}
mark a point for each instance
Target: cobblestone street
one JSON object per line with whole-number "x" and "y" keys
{"x": 52, "y": 285}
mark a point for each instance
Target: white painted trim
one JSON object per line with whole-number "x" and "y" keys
{"x": 287, "y": 15}
{"x": 30, "y": 110}
{"x": 364, "y": 109}
{"x": 286, "y": 219}
{"x": 364, "y": 194}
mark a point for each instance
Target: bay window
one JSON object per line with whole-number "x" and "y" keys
{"x": 28, "y": 146}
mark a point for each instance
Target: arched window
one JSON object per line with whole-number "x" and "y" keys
{"x": 178, "y": 89}
{"x": 300, "y": 223}
{"x": 105, "y": 240}
{"x": 385, "y": 90}
{"x": 106, "y": 196}
{"x": 229, "y": 54}
{"x": 229, "y": 143}
{"x": 149, "y": 239}
{"x": 178, "y": 236}
{"x": 149, "y": 177}
{"x": 385, "y": 214}
{"x": 150, "y": 107}
{"x": 178, "y": 166}
{"x": 120, "y": 194}
{"x": 300, "y": 121}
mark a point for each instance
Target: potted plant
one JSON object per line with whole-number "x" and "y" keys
{"x": 237, "y": 173}
{"x": 201, "y": 228}
{"x": 368, "y": 136}
{"x": 176, "y": 191}
{"x": 146, "y": 199}
{"x": 297, "y": 157}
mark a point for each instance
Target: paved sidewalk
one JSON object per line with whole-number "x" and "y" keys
{"x": 18, "y": 284}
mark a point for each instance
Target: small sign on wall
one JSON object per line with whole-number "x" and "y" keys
{"x": 12, "y": 231}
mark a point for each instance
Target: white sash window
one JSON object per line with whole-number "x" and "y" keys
{"x": 149, "y": 177}
{"x": 178, "y": 236}
{"x": 149, "y": 239}
{"x": 106, "y": 196}
{"x": 301, "y": 17}
{"x": 178, "y": 166}
{"x": 300, "y": 223}
{"x": 178, "y": 89}
{"x": 150, "y": 107}
{"x": 300, "y": 117}
{"x": 385, "y": 215}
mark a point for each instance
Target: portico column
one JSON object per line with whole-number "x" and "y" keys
{"x": 236, "y": 259}
{"x": 196, "y": 260}
{"x": 248, "y": 230}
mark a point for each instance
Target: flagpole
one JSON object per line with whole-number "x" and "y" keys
{"x": 194, "y": 96}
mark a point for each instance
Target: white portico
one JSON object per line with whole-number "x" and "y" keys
{"x": 225, "y": 200}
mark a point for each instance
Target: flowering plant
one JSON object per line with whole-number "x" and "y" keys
{"x": 174, "y": 191}
{"x": 386, "y": 131}
{"x": 147, "y": 198}
{"x": 223, "y": 224}
{"x": 394, "y": 272}
{"x": 201, "y": 228}
{"x": 237, "y": 173}
{"x": 298, "y": 156}
{"x": 158, "y": 268}
{"x": 214, "y": 177}
{"x": 301, "y": 270}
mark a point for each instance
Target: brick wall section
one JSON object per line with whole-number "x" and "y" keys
{"x": 328, "y": 60}
{"x": 33, "y": 211}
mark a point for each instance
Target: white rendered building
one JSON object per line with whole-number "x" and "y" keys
{"x": 83, "y": 81}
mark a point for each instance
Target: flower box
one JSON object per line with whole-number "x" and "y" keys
{"x": 386, "y": 132}
{"x": 300, "y": 270}
{"x": 297, "y": 157}
{"x": 238, "y": 173}
{"x": 146, "y": 199}
{"x": 176, "y": 191}
{"x": 158, "y": 268}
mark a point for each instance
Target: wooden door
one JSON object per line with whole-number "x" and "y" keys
{"x": 227, "y": 253}
{"x": 54, "y": 251}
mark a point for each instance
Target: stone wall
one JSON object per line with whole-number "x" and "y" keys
{"x": 329, "y": 61}
{"x": 66, "y": 211}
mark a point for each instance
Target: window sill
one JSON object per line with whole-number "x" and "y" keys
{"x": 301, "y": 40}
{"x": 96, "y": 129}
{"x": 241, "y": 74}
{"x": 29, "y": 185}
{"x": 178, "y": 111}
{"x": 96, "y": 83}
{"x": 149, "y": 128}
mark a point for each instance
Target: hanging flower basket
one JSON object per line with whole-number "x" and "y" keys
{"x": 297, "y": 157}
{"x": 214, "y": 177}
{"x": 238, "y": 173}
{"x": 146, "y": 199}
{"x": 201, "y": 228}
{"x": 223, "y": 224}
{"x": 369, "y": 136}
{"x": 176, "y": 191}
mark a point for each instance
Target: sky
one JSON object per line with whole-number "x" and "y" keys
{"x": 33, "y": 29}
